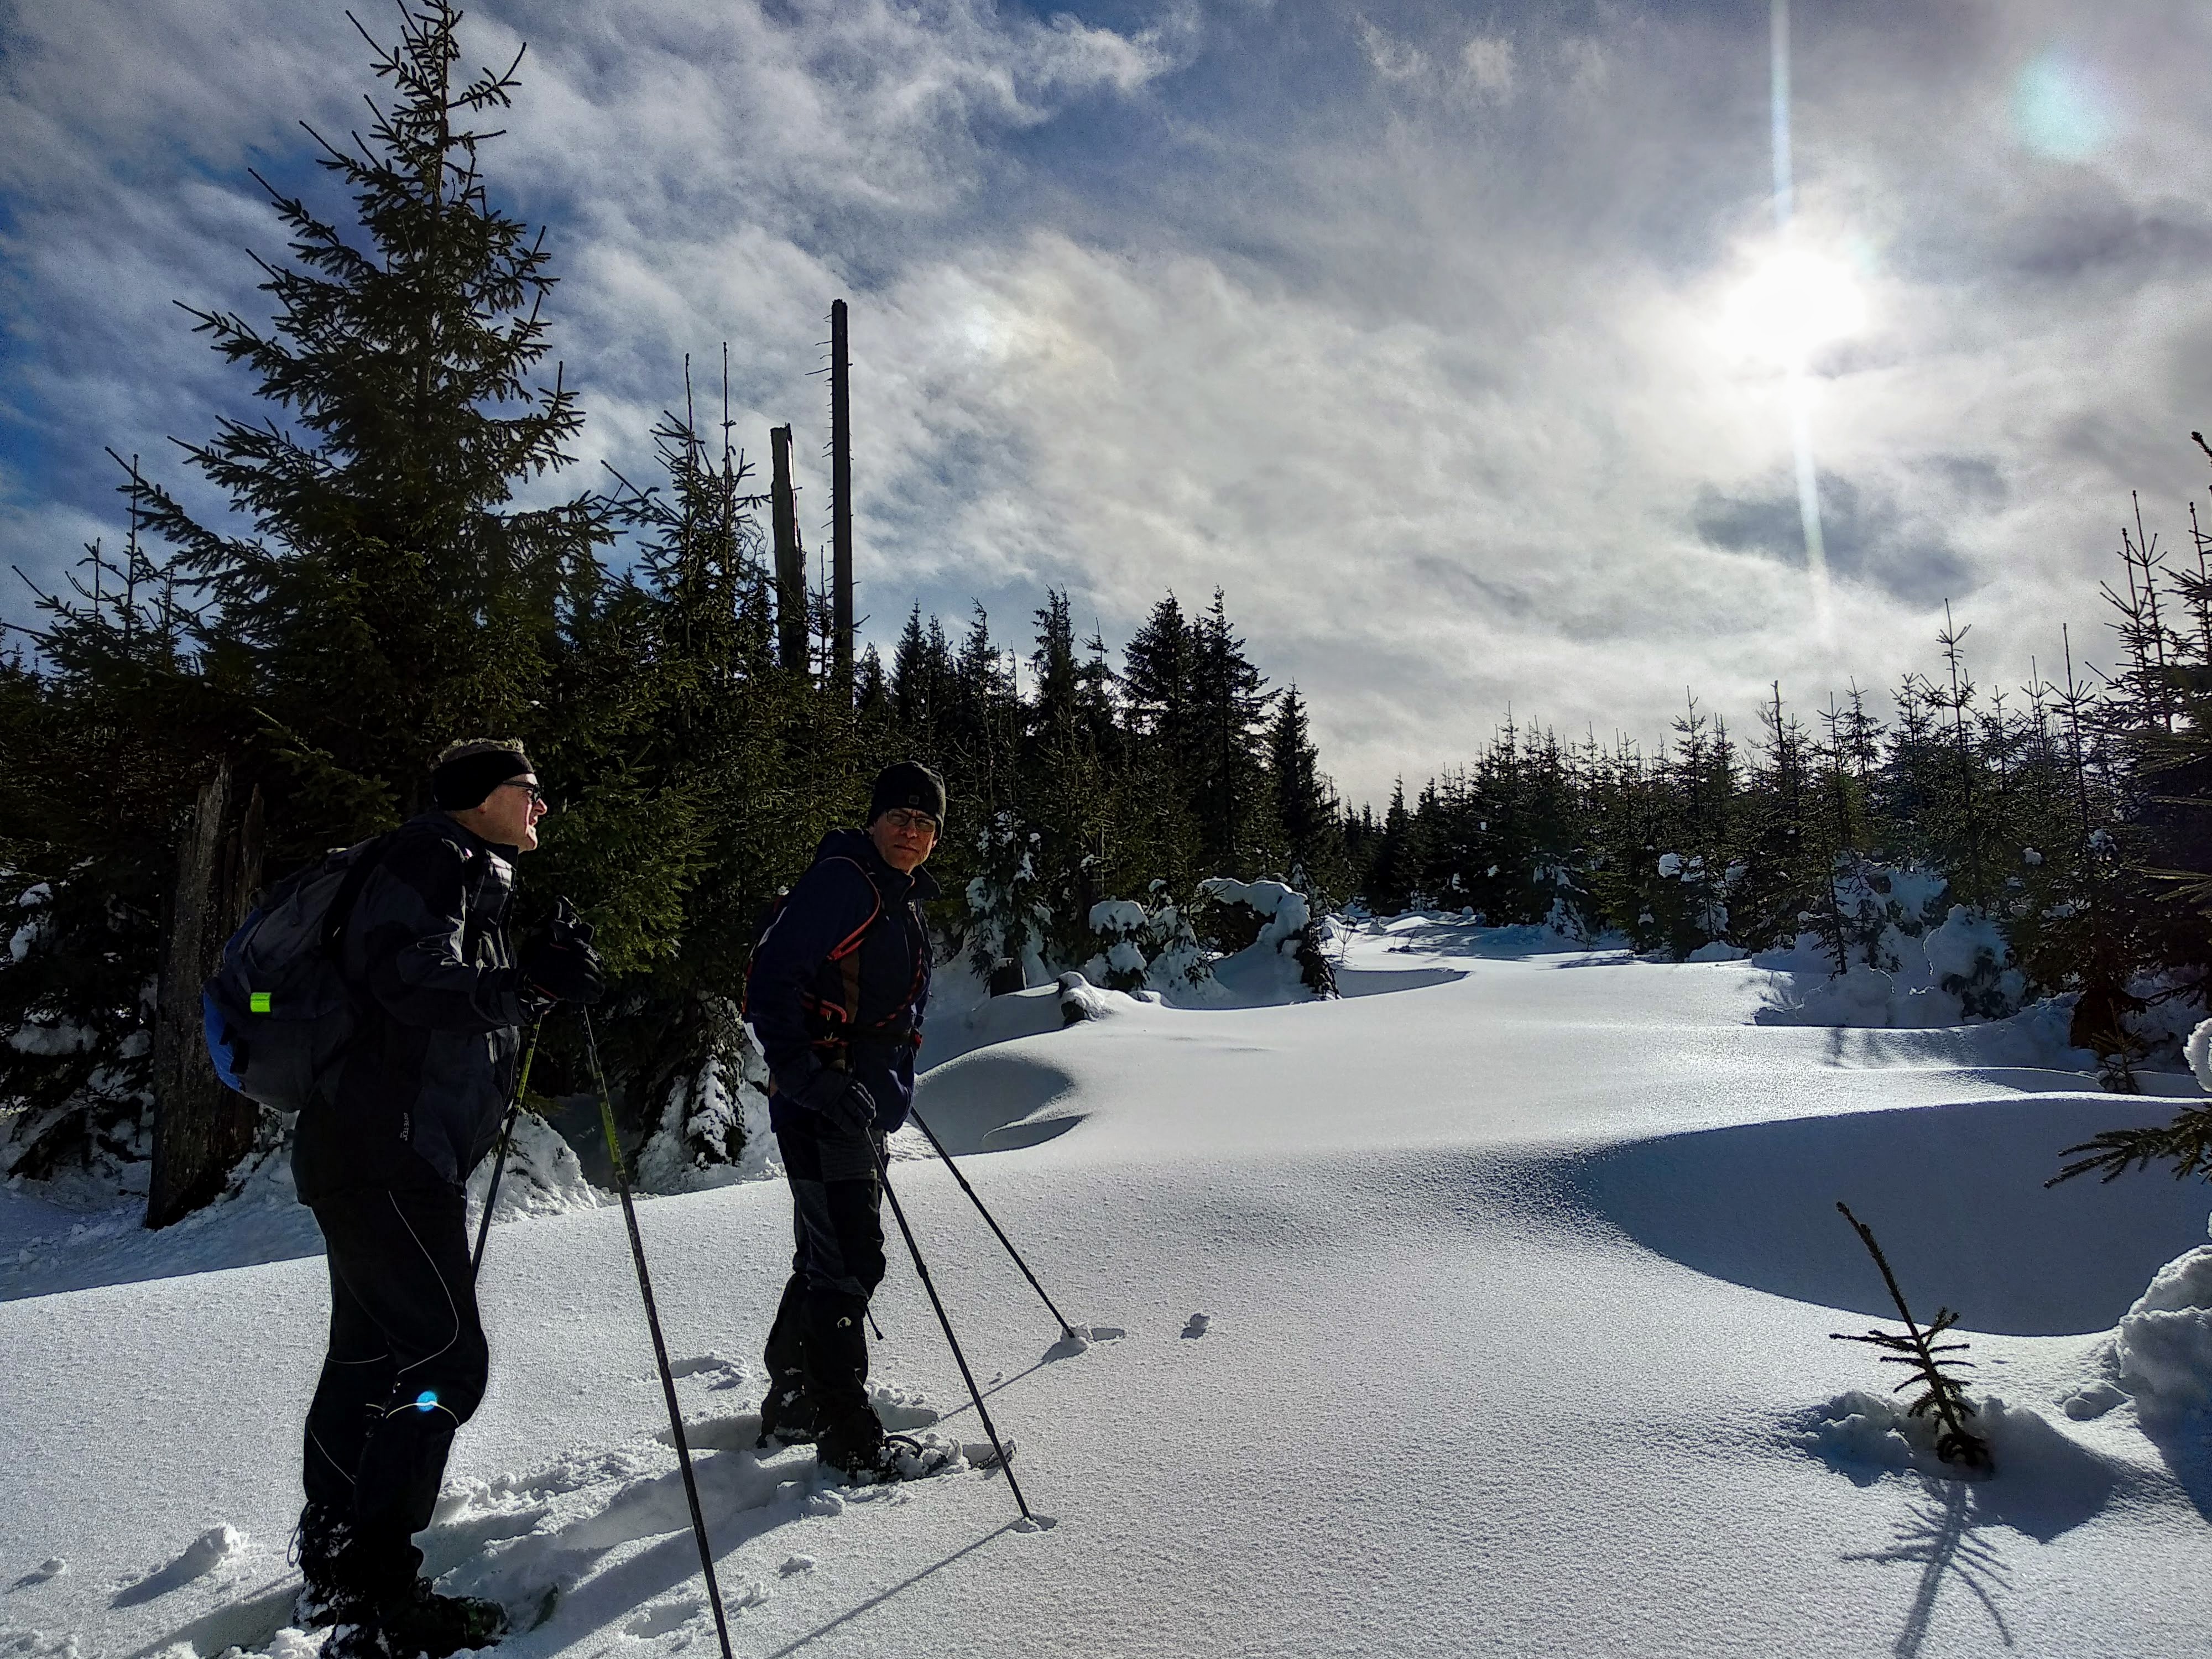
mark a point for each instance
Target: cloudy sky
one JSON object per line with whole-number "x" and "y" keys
{"x": 1457, "y": 342}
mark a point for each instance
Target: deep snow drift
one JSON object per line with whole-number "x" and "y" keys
{"x": 1487, "y": 1310}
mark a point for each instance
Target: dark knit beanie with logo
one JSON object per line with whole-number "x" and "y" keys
{"x": 910, "y": 785}
{"x": 467, "y": 778}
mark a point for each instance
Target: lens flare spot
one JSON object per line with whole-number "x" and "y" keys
{"x": 427, "y": 1401}
{"x": 1794, "y": 302}
{"x": 2059, "y": 110}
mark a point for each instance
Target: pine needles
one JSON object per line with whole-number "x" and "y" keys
{"x": 1941, "y": 1393}
{"x": 2186, "y": 1142}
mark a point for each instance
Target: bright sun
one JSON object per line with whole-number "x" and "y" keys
{"x": 1793, "y": 303}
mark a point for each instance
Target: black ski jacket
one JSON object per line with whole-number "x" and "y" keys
{"x": 850, "y": 901}
{"x": 417, "y": 1101}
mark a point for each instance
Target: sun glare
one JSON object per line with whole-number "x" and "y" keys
{"x": 1792, "y": 304}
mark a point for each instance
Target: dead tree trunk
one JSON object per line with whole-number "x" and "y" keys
{"x": 841, "y": 503}
{"x": 790, "y": 560}
{"x": 201, "y": 1129}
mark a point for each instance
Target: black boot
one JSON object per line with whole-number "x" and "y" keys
{"x": 789, "y": 1415}
{"x": 848, "y": 1435}
{"x": 327, "y": 1595}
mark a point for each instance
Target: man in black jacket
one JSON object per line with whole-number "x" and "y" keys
{"x": 835, "y": 996}
{"x": 382, "y": 1153}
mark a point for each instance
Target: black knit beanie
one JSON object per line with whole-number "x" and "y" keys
{"x": 911, "y": 785}
{"x": 467, "y": 780}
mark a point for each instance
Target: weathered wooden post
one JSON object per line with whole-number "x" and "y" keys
{"x": 841, "y": 503}
{"x": 790, "y": 560}
{"x": 201, "y": 1129}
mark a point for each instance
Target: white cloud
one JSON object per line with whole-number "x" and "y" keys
{"x": 1487, "y": 61}
{"x": 1424, "y": 372}
{"x": 1391, "y": 57}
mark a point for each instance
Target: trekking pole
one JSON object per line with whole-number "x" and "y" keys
{"x": 653, "y": 1322}
{"x": 505, "y": 1135}
{"x": 1005, "y": 1462}
{"x": 1066, "y": 1329}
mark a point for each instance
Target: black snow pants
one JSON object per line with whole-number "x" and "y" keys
{"x": 820, "y": 1334}
{"x": 406, "y": 1368}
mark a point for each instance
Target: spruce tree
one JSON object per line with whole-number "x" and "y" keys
{"x": 383, "y": 589}
{"x": 1229, "y": 700}
{"x": 370, "y": 594}
{"x": 1304, "y": 804}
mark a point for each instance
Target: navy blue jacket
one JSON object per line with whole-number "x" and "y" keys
{"x": 417, "y": 1101}
{"x": 795, "y": 993}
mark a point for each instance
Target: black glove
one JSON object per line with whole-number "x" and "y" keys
{"x": 566, "y": 967}
{"x": 843, "y": 1098}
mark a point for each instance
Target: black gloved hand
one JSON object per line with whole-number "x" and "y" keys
{"x": 569, "y": 927}
{"x": 566, "y": 967}
{"x": 844, "y": 1099}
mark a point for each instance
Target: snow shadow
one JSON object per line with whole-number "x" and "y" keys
{"x": 1463, "y": 936}
{"x": 884, "y": 1596}
{"x": 51, "y": 1249}
{"x": 2027, "y": 1052}
{"x": 2044, "y": 1485}
{"x": 1941, "y": 1538}
{"x": 247, "y": 1624}
{"x": 994, "y": 1100}
{"x": 1378, "y": 982}
{"x": 1954, "y": 1193}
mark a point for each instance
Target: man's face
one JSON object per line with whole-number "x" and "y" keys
{"x": 510, "y": 815}
{"x": 903, "y": 838}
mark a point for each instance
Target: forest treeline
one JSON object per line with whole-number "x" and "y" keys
{"x": 213, "y": 701}
{"x": 2075, "y": 814}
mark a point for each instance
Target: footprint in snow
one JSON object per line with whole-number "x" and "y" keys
{"x": 660, "y": 1620}
{"x": 797, "y": 1563}
{"x": 53, "y": 1567}
{"x": 215, "y": 1549}
{"x": 731, "y": 1370}
{"x": 1078, "y": 1339}
{"x": 1198, "y": 1325}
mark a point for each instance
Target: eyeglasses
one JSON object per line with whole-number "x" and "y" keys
{"x": 910, "y": 823}
{"x": 536, "y": 791}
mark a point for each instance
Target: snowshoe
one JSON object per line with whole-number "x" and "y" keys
{"x": 897, "y": 1457}
{"x": 420, "y": 1624}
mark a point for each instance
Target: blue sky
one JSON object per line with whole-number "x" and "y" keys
{"x": 1433, "y": 333}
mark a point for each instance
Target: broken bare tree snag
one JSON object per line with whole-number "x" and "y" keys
{"x": 841, "y": 501}
{"x": 1943, "y": 1393}
{"x": 201, "y": 1129}
{"x": 790, "y": 561}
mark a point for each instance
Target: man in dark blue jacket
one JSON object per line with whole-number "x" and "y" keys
{"x": 382, "y": 1153}
{"x": 838, "y": 984}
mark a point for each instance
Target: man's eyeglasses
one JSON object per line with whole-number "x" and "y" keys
{"x": 910, "y": 823}
{"x": 537, "y": 790}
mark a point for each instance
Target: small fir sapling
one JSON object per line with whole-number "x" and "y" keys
{"x": 1941, "y": 1393}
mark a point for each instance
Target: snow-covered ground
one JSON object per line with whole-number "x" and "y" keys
{"x": 1486, "y": 1310}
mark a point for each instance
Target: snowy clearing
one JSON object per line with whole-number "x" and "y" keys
{"x": 1484, "y": 1310}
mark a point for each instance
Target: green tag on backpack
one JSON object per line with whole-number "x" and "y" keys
{"x": 258, "y": 1001}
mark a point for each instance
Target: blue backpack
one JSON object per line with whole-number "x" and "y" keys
{"x": 277, "y": 1011}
